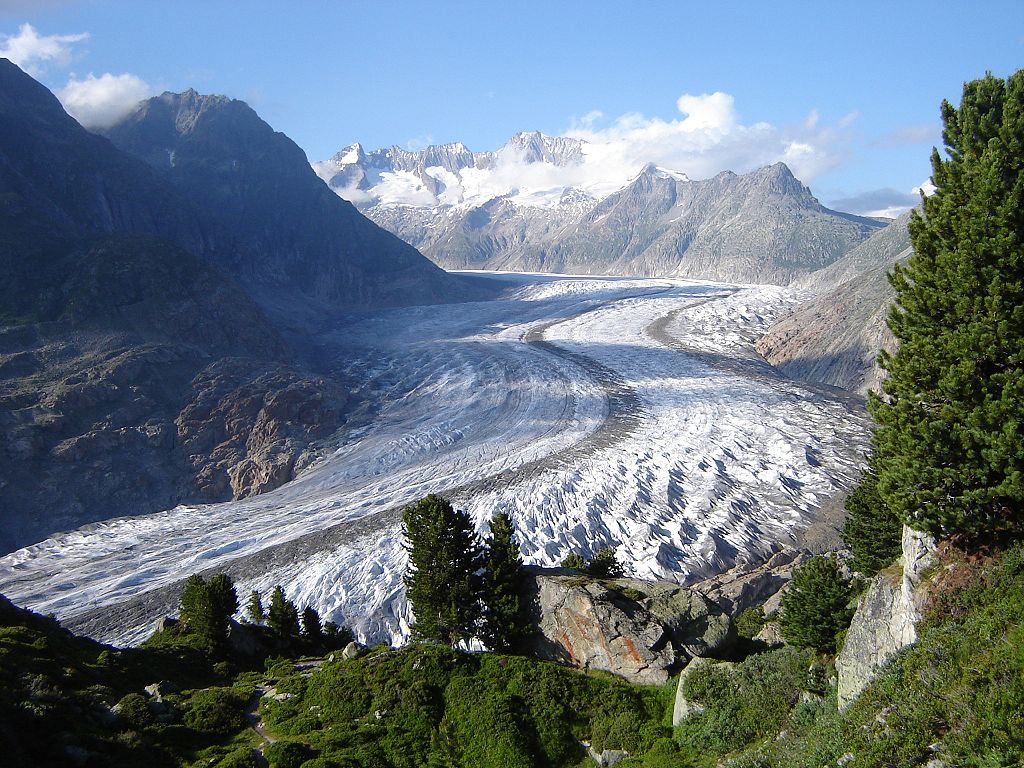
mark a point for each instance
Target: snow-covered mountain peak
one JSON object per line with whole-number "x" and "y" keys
{"x": 658, "y": 172}
{"x": 536, "y": 147}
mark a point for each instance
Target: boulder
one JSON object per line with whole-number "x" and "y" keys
{"x": 747, "y": 586}
{"x": 350, "y": 651}
{"x": 683, "y": 707}
{"x": 639, "y": 630}
{"x": 886, "y": 616}
{"x": 158, "y": 690}
{"x": 607, "y": 758}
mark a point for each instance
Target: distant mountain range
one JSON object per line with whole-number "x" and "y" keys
{"x": 533, "y": 206}
{"x": 154, "y": 293}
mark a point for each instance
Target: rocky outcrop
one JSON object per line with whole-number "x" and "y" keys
{"x": 748, "y": 586}
{"x": 639, "y": 630}
{"x": 684, "y": 707}
{"x": 834, "y": 337}
{"x": 246, "y": 425}
{"x": 886, "y": 617}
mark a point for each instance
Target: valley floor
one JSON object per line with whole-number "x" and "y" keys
{"x": 594, "y": 410}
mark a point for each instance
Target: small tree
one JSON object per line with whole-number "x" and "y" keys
{"x": 196, "y": 608}
{"x": 336, "y": 636}
{"x": 871, "y": 529}
{"x": 814, "y": 607}
{"x": 574, "y": 562}
{"x": 254, "y": 608}
{"x": 282, "y": 616}
{"x": 504, "y": 622}
{"x": 311, "y": 627}
{"x": 442, "y": 581}
{"x": 207, "y": 606}
{"x": 605, "y": 565}
{"x": 223, "y": 599}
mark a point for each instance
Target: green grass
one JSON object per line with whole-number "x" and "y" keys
{"x": 960, "y": 687}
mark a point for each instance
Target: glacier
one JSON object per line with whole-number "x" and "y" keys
{"x": 595, "y": 411}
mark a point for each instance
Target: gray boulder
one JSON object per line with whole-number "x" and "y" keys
{"x": 607, "y": 758}
{"x": 350, "y": 651}
{"x": 886, "y": 617}
{"x": 639, "y": 630}
{"x": 684, "y": 707}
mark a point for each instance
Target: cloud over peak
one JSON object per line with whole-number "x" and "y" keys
{"x": 708, "y": 138}
{"x": 99, "y": 102}
{"x": 34, "y": 52}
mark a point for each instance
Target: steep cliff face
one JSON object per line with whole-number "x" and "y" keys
{"x": 274, "y": 225}
{"x": 886, "y": 616}
{"x": 640, "y": 630}
{"x": 835, "y": 336}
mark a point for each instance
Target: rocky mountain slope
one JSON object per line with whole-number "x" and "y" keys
{"x": 835, "y": 336}
{"x": 533, "y": 206}
{"x": 135, "y": 373}
{"x": 272, "y": 223}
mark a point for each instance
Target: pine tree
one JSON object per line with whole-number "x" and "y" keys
{"x": 442, "y": 583}
{"x": 282, "y": 616}
{"x": 605, "y": 565}
{"x": 504, "y": 622}
{"x": 574, "y": 561}
{"x": 207, "y": 606}
{"x": 871, "y": 530}
{"x": 254, "y": 608}
{"x": 948, "y": 447}
{"x": 814, "y": 607}
{"x": 312, "y": 630}
{"x": 196, "y": 608}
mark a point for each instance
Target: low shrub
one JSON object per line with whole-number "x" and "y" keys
{"x": 216, "y": 711}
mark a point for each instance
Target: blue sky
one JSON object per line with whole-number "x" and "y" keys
{"x": 847, "y": 93}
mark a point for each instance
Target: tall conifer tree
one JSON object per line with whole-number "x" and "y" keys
{"x": 442, "y": 583}
{"x": 949, "y": 448}
{"x": 504, "y": 621}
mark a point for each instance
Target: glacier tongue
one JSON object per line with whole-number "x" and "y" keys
{"x": 594, "y": 410}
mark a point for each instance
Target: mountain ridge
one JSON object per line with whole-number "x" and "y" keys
{"x": 530, "y": 207}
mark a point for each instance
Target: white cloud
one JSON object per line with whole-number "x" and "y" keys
{"x": 33, "y": 52}
{"x": 710, "y": 138}
{"x": 922, "y": 133}
{"x": 706, "y": 138}
{"x": 99, "y": 102}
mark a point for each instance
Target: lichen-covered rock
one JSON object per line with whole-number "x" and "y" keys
{"x": 886, "y": 617}
{"x": 684, "y": 707}
{"x": 640, "y": 630}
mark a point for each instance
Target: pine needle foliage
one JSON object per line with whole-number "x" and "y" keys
{"x": 814, "y": 608}
{"x": 443, "y": 583}
{"x": 949, "y": 447}
{"x": 504, "y": 622}
{"x": 207, "y": 607}
{"x": 282, "y": 615}
{"x": 871, "y": 530}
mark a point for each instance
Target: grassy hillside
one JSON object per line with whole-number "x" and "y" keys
{"x": 957, "y": 696}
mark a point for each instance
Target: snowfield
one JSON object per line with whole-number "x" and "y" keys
{"x": 596, "y": 411}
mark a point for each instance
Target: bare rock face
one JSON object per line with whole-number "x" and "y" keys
{"x": 886, "y": 617}
{"x": 747, "y": 586}
{"x": 247, "y": 424}
{"x": 639, "y": 630}
{"x": 834, "y": 337}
